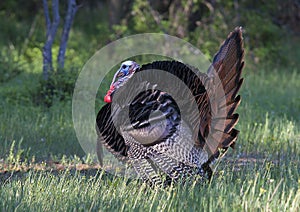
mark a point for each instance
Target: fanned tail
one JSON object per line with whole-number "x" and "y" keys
{"x": 227, "y": 65}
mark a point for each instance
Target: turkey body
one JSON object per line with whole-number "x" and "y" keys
{"x": 171, "y": 130}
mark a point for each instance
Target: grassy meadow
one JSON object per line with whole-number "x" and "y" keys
{"x": 262, "y": 173}
{"x": 43, "y": 168}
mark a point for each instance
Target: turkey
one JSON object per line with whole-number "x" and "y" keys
{"x": 172, "y": 130}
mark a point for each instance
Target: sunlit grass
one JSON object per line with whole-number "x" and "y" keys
{"x": 258, "y": 187}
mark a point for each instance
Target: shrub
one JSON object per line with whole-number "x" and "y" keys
{"x": 10, "y": 66}
{"x": 59, "y": 87}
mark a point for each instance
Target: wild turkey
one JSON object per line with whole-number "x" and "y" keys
{"x": 146, "y": 127}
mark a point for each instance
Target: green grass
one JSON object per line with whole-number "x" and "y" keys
{"x": 251, "y": 188}
{"x": 262, "y": 173}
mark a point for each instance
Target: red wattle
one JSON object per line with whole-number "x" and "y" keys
{"x": 107, "y": 98}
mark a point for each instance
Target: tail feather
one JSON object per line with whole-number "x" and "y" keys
{"x": 232, "y": 93}
{"x": 231, "y": 107}
{"x": 229, "y": 82}
{"x": 229, "y": 123}
{"x": 227, "y": 64}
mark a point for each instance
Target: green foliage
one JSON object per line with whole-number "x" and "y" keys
{"x": 10, "y": 66}
{"x": 59, "y": 87}
{"x": 206, "y": 24}
{"x": 142, "y": 20}
{"x": 265, "y": 37}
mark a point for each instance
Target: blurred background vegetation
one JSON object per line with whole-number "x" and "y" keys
{"x": 271, "y": 40}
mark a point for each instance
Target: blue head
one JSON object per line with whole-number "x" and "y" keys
{"x": 125, "y": 71}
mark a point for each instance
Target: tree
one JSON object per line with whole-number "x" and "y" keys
{"x": 51, "y": 30}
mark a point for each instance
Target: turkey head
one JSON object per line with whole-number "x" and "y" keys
{"x": 125, "y": 71}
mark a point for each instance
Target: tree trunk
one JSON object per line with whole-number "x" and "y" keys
{"x": 118, "y": 9}
{"x": 51, "y": 29}
{"x": 115, "y": 11}
{"x": 72, "y": 8}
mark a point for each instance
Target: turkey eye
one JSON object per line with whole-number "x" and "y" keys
{"x": 124, "y": 66}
